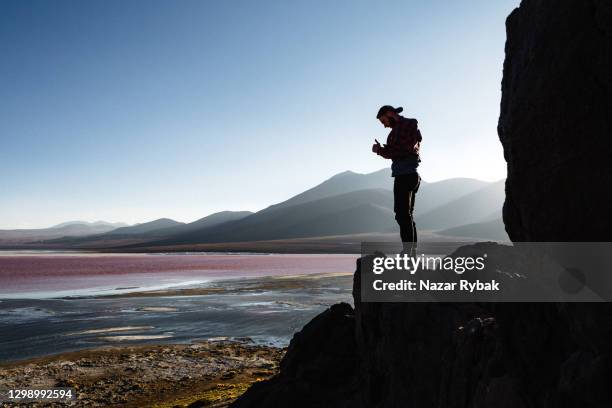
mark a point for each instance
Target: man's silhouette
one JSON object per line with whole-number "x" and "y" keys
{"x": 402, "y": 148}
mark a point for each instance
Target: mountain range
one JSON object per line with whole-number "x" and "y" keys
{"x": 346, "y": 204}
{"x": 70, "y": 228}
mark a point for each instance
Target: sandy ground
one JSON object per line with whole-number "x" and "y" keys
{"x": 210, "y": 374}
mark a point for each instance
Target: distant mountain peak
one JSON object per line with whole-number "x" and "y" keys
{"x": 354, "y": 173}
{"x": 67, "y": 223}
{"x": 91, "y": 224}
{"x": 166, "y": 220}
{"x": 344, "y": 173}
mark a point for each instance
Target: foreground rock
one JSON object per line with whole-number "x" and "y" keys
{"x": 201, "y": 374}
{"x": 452, "y": 355}
{"x": 318, "y": 369}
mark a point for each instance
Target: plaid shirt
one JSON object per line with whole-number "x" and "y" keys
{"x": 403, "y": 141}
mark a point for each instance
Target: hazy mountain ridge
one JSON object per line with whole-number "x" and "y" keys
{"x": 467, "y": 209}
{"x": 156, "y": 229}
{"x": 347, "y": 203}
{"x": 73, "y": 228}
{"x": 340, "y": 183}
{"x": 491, "y": 229}
{"x": 439, "y": 193}
{"x": 297, "y": 220}
{"x": 430, "y": 195}
{"x": 145, "y": 227}
{"x": 93, "y": 224}
{"x": 328, "y": 209}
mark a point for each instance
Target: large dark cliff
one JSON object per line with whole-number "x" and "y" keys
{"x": 555, "y": 121}
{"x": 555, "y": 130}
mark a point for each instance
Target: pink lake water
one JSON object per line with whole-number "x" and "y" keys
{"x": 50, "y": 301}
{"x": 57, "y": 274}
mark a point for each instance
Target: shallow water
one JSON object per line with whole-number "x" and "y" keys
{"x": 45, "y": 274}
{"x": 44, "y": 324}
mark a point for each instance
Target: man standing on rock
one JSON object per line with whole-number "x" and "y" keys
{"x": 402, "y": 147}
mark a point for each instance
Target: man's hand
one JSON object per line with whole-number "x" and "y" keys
{"x": 376, "y": 146}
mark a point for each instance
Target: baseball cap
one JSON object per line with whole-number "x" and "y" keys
{"x": 388, "y": 108}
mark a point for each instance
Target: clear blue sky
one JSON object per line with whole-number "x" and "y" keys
{"x": 136, "y": 110}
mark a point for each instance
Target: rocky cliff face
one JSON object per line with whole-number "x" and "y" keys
{"x": 557, "y": 138}
{"x": 555, "y": 121}
{"x": 451, "y": 355}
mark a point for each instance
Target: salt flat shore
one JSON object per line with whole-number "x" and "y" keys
{"x": 247, "y": 285}
{"x": 211, "y": 373}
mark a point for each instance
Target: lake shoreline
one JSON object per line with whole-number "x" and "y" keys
{"x": 267, "y": 309}
{"x": 219, "y": 286}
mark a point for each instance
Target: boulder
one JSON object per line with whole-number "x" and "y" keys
{"x": 319, "y": 368}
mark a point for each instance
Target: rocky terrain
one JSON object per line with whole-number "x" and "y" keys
{"x": 445, "y": 355}
{"x": 210, "y": 373}
{"x": 555, "y": 129}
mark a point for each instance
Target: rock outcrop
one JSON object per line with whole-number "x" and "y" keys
{"x": 555, "y": 121}
{"x": 555, "y": 127}
{"x": 451, "y": 355}
{"x": 319, "y": 368}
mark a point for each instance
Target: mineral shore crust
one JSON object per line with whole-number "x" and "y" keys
{"x": 211, "y": 373}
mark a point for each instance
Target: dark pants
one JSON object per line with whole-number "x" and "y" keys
{"x": 405, "y": 187}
